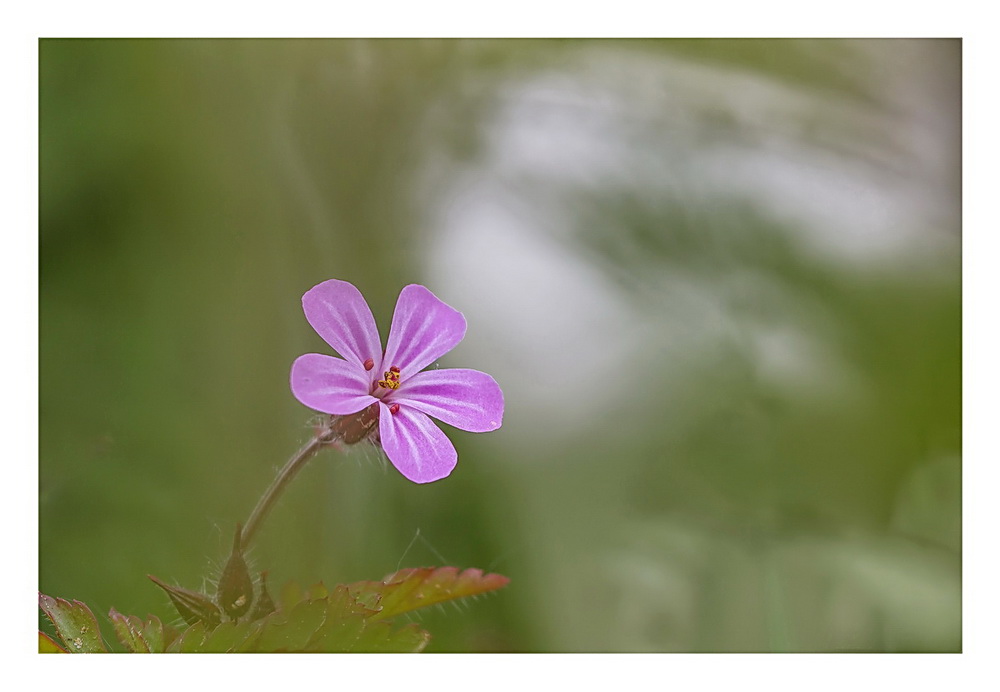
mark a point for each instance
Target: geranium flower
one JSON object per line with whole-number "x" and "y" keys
{"x": 392, "y": 386}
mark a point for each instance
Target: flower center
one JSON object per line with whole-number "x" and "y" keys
{"x": 391, "y": 380}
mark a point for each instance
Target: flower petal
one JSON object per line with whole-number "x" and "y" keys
{"x": 468, "y": 399}
{"x": 415, "y": 446}
{"x": 329, "y": 384}
{"x": 338, "y": 312}
{"x": 423, "y": 329}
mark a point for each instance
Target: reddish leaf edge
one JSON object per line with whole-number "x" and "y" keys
{"x": 413, "y": 577}
{"x": 403, "y": 590}
{"x": 49, "y": 605}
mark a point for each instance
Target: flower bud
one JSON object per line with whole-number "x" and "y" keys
{"x": 356, "y": 427}
{"x": 265, "y": 605}
{"x": 193, "y": 606}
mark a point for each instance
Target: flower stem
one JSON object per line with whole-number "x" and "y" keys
{"x": 323, "y": 437}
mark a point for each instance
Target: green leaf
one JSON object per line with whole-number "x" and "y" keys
{"x": 337, "y": 635}
{"x": 381, "y": 638}
{"x": 158, "y": 635}
{"x": 139, "y": 637}
{"x": 420, "y": 587}
{"x": 229, "y": 637}
{"x": 46, "y": 645}
{"x": 317, "y": 591}
{"x": 344, "y": 623}
{"x": 350, "y": 618}
{"x": 190, "y": 640}
{"x": 291, "y": 593}
{"x": 74, "y": 624}
{"x": 313, "y": 620}
{"x": 129, "y": 630}
{"x": 348, "y": 627}
{"x": 342, "y": 603}
{"x": 292, "y": 631}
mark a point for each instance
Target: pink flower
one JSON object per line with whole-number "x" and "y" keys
{"x": 393, "y": 384}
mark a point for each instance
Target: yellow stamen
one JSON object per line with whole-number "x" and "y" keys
{"x": 391, "y": 380}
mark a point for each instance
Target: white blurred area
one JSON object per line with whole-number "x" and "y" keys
{"x": 859, "y": 184}
{"x": 542, "y": 320}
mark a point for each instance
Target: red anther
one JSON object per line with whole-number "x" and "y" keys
{"x": 369, "y": 364}
{"x": 394, "y": 409}
{"x": 394, "y": 369}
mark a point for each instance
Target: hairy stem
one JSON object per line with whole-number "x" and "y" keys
{"x": 323, "y": 437}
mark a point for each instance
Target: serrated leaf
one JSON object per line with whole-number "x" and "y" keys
{"x": 358, "y": 635}
{"x": 318, "y": 590}
{"x": 348, "y": 628}
{"x": 158, "y": 635}
{"x": 74, "y": 623}
{"x": 342, "y": 603}
{"x": 344, "y": 623}
{"x": 249, "y": 643}
{"x": 292, "y": 630}
{"x": 420, "y": 587}
{"x": 151, "y": 636}
{"x": 190, "y": 640}
{"x": 381, "y": 638}
{"x": 337, "y": 635}
{"x": 291, "y": 594}
{"x": 227, "y": 637}
{"x": 337, "y": 623}
{"x": 47, "y": 645}
{"x": 129, "y": 630}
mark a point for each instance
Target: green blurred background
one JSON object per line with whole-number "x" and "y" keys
{"x": 718, "y": 280}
